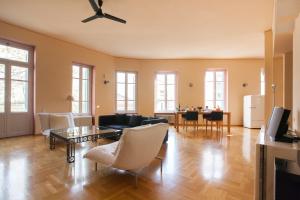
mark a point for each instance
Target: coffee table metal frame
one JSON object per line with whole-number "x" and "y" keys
{"x": 70, "y": 142}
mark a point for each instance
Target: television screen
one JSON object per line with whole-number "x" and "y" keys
{"x": 278, "y": 124}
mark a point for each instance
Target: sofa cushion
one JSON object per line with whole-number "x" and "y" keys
{"x": 154, "y": 121}
{"x": 106, "y": 120}
{"x": 121, "y": 119}
{"x": 135, "y": 120}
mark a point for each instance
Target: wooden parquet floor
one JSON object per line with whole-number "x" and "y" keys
{"x": 196, "y": 166}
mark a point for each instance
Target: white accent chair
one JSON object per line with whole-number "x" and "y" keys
{"x": 51, "y": 121}
{"x": 135, "y": 150}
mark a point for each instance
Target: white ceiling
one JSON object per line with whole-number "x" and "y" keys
{"x": 155, "y": 29}
{"x": 285, "y": 13}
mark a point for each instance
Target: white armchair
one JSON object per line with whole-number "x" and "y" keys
{"x": 134, "y": 151}
{"x": 49, "y": 121}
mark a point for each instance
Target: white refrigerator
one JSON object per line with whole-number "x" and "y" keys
{"x": 254, "y": 111}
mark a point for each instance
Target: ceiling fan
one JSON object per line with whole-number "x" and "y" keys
{"x": 100, "y": 14}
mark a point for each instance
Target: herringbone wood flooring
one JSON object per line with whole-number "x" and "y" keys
{"x": 196, "y": 166}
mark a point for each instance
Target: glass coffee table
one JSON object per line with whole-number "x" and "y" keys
{"x": 71, "y": 136}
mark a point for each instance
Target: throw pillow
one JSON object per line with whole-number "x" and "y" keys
{"x": 135, "y": 120}
{"x": 121, "y": 119}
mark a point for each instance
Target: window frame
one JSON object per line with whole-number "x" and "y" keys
{"x": 214, "y": 82}
{"x": 27, "y": 81}
{"x": 165, "y": 73}
{"x": 91, "y": 88}
{"x": 29, "y": 48}
{"x": 126, "y": 94}
{"x": 30, "y": 65}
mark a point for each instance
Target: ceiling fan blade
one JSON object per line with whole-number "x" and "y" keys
{"x": 94, "y": 5}
{"x": 108, "y": 16}
{"x": 90, "y": 18}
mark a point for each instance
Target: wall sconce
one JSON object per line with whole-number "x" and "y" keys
{"x": 191, "y": 84}
{"x": 245, "y": 84}
{"x": 70, "y": 98}
{"x": 105, "y": 81}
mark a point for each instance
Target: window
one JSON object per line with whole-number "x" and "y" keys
{"x": 215, "y": 89}
{"x": 81, "y": 89}
{"x": 15, "y": 75}
{"x": 2, "y": 88}
{"x": 262, "y": 81}
{"x": 19, "y": 89}
{"x": 126, "y": 92}
{"x": 15, "y": 54}
{"x": 165, "y": 92}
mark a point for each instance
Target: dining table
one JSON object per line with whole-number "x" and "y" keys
{"x": 178, "y": 115}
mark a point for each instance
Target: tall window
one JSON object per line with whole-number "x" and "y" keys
{"x": 262, "y": 81}
{"x": 215, "y": 89}
{"x": 126, "y": 92}
{"x": 2, "y": 88}
{"x": 19, "y": 89}
{"x": 15, "y": 71}
{"x": 81, "y": 89}
{"x": 165, "y": 92}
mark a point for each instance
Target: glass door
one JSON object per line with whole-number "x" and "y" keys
{"x": 2, "y": 99}
{"x": 16, "y": 90}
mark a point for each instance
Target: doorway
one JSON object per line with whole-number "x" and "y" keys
{"x": 16, "y": 89}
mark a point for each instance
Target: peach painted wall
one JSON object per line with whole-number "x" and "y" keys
{"x": 288, "y": 83}
{"x": 239, "y": 71}
{"x": 288, "y": 80}
{"x": 53, "y": 70}
{"x": 296, "y": 75}
{"x": 269, "y": 69}
{"x": 53, "y": 75}
{"x": 278, "y": 80}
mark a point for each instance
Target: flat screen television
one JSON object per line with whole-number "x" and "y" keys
{"x": 278, "y": 124}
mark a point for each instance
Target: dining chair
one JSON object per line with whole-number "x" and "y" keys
{"x": 217, "y": 117}
{"x": 191, "y": 116}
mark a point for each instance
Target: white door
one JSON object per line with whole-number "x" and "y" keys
{"x": 16, "y": 89}
{"x": 247, "y": 112}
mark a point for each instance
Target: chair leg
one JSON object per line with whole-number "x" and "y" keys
{"x": 161, "y": 162}
{"x": 161, "y": 167}
{"x": 206, "y": 127}
{"x": 219, "y": 131}
{"x": 222, "y": 127}
{"x": 136, "y": 179}
{"x": 211, "y": 126}
{"x": 186, "y": 125}
{"x": 96, "y": 166}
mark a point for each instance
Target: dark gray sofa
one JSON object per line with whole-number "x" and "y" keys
{"x": 121, "y": 121}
